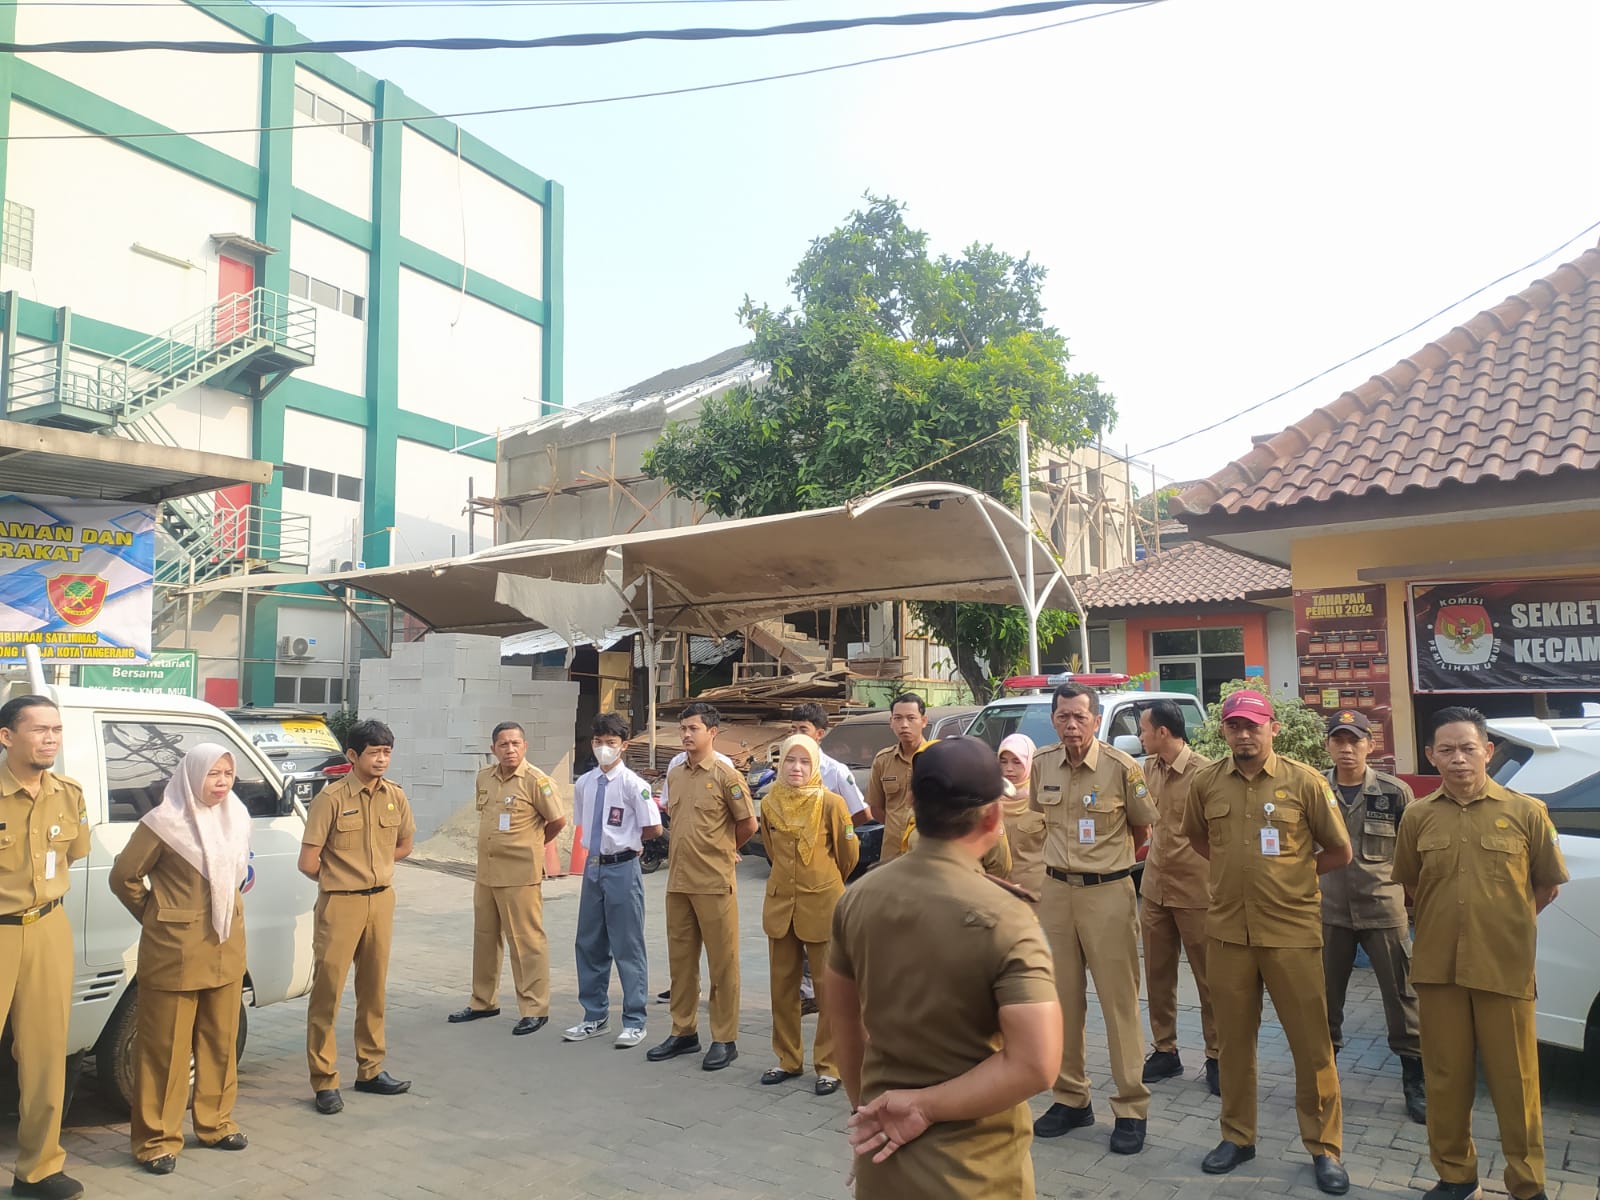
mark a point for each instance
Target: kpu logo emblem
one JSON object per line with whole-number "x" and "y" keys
{"x": 1463, "y": 635}
{"x": 77, "y": 598}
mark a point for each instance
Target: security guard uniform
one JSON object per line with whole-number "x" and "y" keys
{"x": 1173, "y": 898}
{"x": 507, "y": 903}
{"x": 40, "y": 834}
{"x": 1362, "y": 905}
{"x": 935, "y": 950}
{"x": 1472, "y": 866}
{"x": 1265, "y": 926}
{"x": 189, "y": 989}
{"x": 797, "y": 918}
{"x": 1089, "y": 911}
{"x": 889, "y": 792}
{"x": 358, "y": 828}
{"x": 702, "y": 900}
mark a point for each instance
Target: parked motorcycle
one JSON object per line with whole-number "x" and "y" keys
{"x": 654, "y": 852}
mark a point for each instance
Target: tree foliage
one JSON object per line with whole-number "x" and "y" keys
{"x": 1302, "y": 733}
{"x": 893, "y": 360}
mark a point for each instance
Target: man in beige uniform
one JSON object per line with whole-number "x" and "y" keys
{"x": 1482, "y": 862}
{"x": 938, "y": 986}
{"x": 517, "y": 813}
{"x": 357, "y": 828}
{"x": 1259, "y": 818}
{"x": 1174, "y": 895}
{"x": 712, "y": 816}
{"x": 889, "y": 785}
{"x": 43, "y": 828}
{"x": 1096, "y": 809}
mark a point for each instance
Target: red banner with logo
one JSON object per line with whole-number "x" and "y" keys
{"x": 1522, "y": 635}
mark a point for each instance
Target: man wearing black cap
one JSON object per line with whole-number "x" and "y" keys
{"x": 930, "y": 968}
{"x": 1363, "y": 905}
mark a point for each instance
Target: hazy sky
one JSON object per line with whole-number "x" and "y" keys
{"x": 1230, "y": 195}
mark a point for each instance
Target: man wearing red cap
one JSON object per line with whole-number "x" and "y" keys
{"x": 1260, "y": 820}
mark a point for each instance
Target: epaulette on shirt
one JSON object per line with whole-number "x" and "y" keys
{"x": 1016, "y": 889}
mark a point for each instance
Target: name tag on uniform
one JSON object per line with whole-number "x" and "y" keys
{"x": 1086, "y": 831}
{"x": 1052, "y": 787}
{"x": 614, "y": 817}
{"x": 49, "y": 864}
{"x": 505, "y": 822}
{"x": 1269, "y": 841}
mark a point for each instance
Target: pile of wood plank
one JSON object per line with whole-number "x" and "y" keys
{"x": 771, "y": 699}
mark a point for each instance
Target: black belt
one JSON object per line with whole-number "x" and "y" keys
{"x": 607, "y": 860}
{"x": 1087, "y": 880}
{"x": 363, "y": 891}
{"x": 32, "y": 915}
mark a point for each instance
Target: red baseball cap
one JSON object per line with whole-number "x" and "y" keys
{"x": 1248, "y": 706}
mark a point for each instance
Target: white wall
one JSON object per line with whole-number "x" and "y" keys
{"x": 482, "y": 372}
{"x": 444, "y": 201}
{"x": 328, "y": 163}
{"x": 181, "y": 91}
{"x": 209, "y": 419}
{"x": 92, "y": 201}
{"x": 313, "y": 441}
{"x": 1283, "y": 668}
{"x": 341, "y": 339}
{"x": 431, "y": 491}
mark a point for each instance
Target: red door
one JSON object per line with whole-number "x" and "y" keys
{"x": 234, "y": 278}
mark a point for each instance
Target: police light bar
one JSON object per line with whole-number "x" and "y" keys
{"x": 1099, "y": 679}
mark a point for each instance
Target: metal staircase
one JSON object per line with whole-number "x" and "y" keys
{"x": 255, "y": 338}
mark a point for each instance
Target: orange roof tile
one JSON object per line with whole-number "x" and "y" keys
{"x": 1189, "y": 573}
{"x": 1514, "y": 393}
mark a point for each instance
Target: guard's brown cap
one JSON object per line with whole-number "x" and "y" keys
{"x": 957, "y": 773}
{"x": 1350, "y": 720}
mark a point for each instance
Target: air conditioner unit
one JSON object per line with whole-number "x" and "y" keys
{"x": 294, "y": 647}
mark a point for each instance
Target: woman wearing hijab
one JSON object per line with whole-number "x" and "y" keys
{"x": 193, "y": 849}
{"x": 811, "y": 844}
{"x": 997, "y": 860}
{"x": 1024, "y": 827}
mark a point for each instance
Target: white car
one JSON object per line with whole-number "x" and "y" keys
{"x": 1119, "y": 718}
{"x": 1559, "y": 762}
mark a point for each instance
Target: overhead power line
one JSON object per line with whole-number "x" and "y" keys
{"x": 558, "y": 104}
{"x": 1406, "y": 332}
{"x": 709, "y": 34}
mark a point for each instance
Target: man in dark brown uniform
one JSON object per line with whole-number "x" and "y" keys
{"x": 940, "y": 992}
{"x": 1482, "y": 863}
{"x": 889, "y": 785}
{"x": 1259, "y": 818}
{"x": 43, "y": 828}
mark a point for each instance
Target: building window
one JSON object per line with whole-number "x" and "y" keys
{"x": 313, "y": 690}
{"x": 323, "y": 483}
{"x": 283, "y": 689}
{"x": 347, "y": 487}
{"x": 319, "y": 483}
{"x": 327, "y": 295}
{"x": 16, "y": 244}
{"x": 326, "y": 112}
{"x": 294, "y": 476}
{"x": 1197, "y": 661}
{"x": 1099, "y": 648}
{"x": 335, "y": 691}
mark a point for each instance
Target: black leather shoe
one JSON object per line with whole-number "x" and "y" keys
{"x": 1162, "y": 1064}
{"x": 383, "y": 1084}
{"x": 808, "y": 1006}
{"x": 827, "y": 1085}
{"x": 529, "y": 1025}
{"x": 1330, "y": 1173}
{"x": 1458, "y": 1191}
{"x": 1414, "y": 1087}
{"x": 1213, "y": 1080}
{"x": 1127, "y": 1135}
{"x": 1060, "y": 1118}
{"x": 1226, "y": 1157}
{"x": 59, "y": 1186}
{"x": 165, "y": 1165}
{"x": 329, "y": 1102}
{"x": 777, "y": 1075}
{"x": 234, "y": 1141}
{"x": 678, "y": 1043}
{"x": 664, "y": 996}
{"x": 471, "y": 1014}
{"x": 720, "y": 1055}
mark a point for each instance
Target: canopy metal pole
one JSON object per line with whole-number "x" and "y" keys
{"x": 650, "y": 655}
{"x": 1027, "y": 550}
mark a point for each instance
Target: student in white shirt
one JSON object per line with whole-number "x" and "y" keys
{"x": 615, "y": 809}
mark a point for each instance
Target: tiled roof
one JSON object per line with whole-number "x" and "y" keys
{"x": 1511, "y": 394}
{"x": 1191, "y": 573}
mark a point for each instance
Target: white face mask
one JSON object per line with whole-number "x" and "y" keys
{"x": 606, "y": 755}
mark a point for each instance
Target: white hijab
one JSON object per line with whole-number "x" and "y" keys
{"x": 213, "y": 840}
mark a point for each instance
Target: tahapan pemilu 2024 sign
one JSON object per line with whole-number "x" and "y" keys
{"x": 75, "y": 579}
{"x": 1536, "y": 635}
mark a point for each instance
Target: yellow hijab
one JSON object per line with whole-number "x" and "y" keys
{"x": 797, "y": 811}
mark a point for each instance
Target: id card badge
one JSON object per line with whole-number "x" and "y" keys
{"x": 1269, "y": 841}
{"x": 49, "y": 864}
{"x": 505, "y": 822}
{"x": 1086, "y": 831}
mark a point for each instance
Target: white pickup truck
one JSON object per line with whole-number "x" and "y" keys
{"x": 122, "y": 747}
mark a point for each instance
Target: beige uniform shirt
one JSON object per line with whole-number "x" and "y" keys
{"x": 1472, "y": 868}
{"x": 512, "y": 813}
{"x": 1089, "y": 808}
{"x": 358, "y": 829}
{"x": 1260, "y": 899}
{"x": 936, "y": 950}
{"x": 707, "y": 803}
{"x": 1175, "y": 876}
{"x": 1364, "y": 895}
{"x": 801, "y": 896}
{"x": 889, "y": 791}
{"x": 39, "y": 838}
{"x": 178, "y": 947}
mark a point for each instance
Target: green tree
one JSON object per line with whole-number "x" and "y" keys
{"x": 1302, "y": 733}
{"x": 893, "y": 360}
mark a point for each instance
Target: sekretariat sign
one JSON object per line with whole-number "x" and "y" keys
{"x": 1525, "y": 635}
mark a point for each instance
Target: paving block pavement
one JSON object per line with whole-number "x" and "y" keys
{"x": 492, "y": 1116}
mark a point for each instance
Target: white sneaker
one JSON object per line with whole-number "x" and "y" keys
{"x": 629, "y": 1038}
{"x": 584, "y": 1030}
